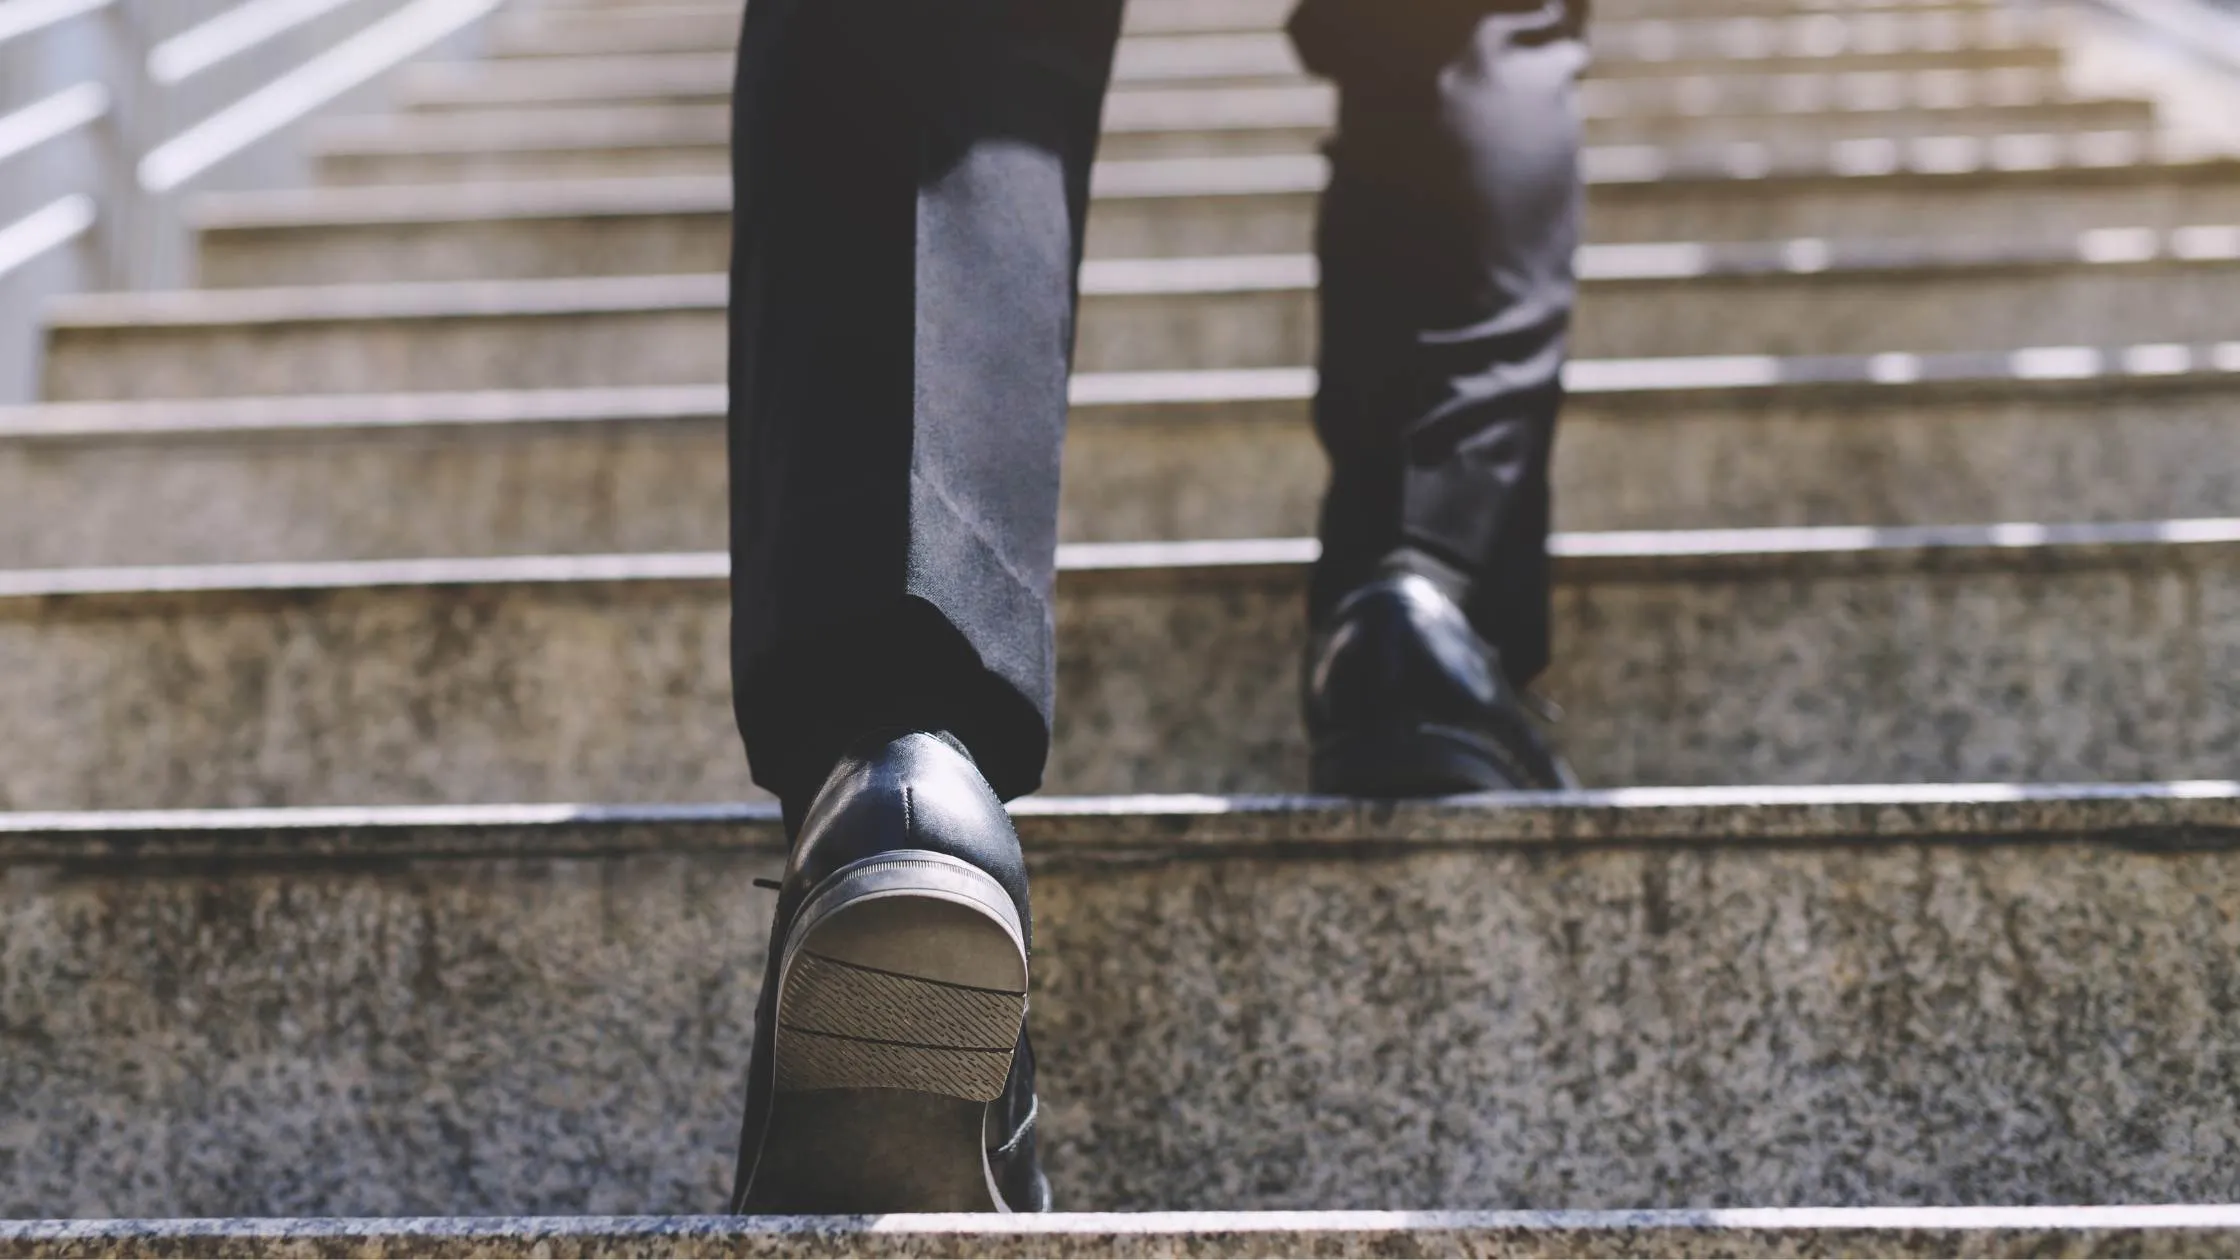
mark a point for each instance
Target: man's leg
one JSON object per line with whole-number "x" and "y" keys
{"x": 912, "y": 184}
{"x": 913, "y": 180}
{"x": 1446, "y": 248}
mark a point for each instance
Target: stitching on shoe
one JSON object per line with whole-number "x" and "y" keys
{"x": 1026, "y": 1126}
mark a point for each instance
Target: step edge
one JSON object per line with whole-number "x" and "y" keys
{"x": 1116, "y": 397}
{"x": 1814, "y": 258}
{"x": 1741, "y": 1221}
{"x": 1095, "y": 402}
{"x": 1830, "y": 550}
{"x": 2197, "y": 813}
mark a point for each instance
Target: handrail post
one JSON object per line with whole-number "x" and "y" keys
{"x": 143, "y": 241}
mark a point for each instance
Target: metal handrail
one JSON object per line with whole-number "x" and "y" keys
{"x": 53, "y": 118}
{"x": 43, "y": 231}
{"x": 228, "y": 35}
{"x": 28, "y": 17}
{"x": 291, "y": 98}
{"x": 108, "y": 159}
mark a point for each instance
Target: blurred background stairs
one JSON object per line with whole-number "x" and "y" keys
{"x": 1898, "y": 633}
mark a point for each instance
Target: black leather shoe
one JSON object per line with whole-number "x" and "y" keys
{"x": 1404, "y": 699}
{"x": 890, "y": 1070}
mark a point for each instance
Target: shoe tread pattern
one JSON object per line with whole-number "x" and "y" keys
{"x": 848, "y": 1027}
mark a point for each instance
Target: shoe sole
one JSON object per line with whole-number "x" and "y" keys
{"x": 900, "y": 1001}
{"x": 1419, "y": 761}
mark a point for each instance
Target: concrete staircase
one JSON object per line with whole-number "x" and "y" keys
{"x": 1898, "y": 629}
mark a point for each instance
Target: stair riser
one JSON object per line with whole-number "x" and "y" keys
{"x": 1182, "y": 17}
{"x": 669, "y": 116}
{"x": 1268, "y": 57}
{"x": 1786, "y": 132}
{"x": 493, "y": 249}
{"x": 652, "y": 347}
{"x": 1271, "y": 62}
{"x": 1719, "y": 460}
{"x": 1780, "y": 314}
{"x": 689, "y": 81}
{"x": 1173, "y": 472}
{"x": 1684, "y": 10}
{"x": 1166, "y": 17}
{"x": 700, "y": 78}
{"x": 526, "y": 490}
{"x": 1783, "y": 133}
{"x": 1798, "y": 672}
{"x": 2012, "y": 209}
{"x": 486, "y": 165}
{"x": 1787, "y": 140}
{"x": 1819, "y": 1026}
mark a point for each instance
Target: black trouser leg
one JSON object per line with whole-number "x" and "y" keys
{"x": 912, "y": 184}
{"x": 1446, "y": 246}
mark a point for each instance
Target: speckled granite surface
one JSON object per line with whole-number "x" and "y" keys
{"x": 373, "y": 166}
{"x": 322, "y": 484}
{"x": 1955, "y": 664}
{"x": 1985, "y": 308}
{"x": 2046, "y": 205}
{"x": 640, "y": 241}
{"x": 1284, "y": 1006}
{"x": 346, "y": 352}
{"x": 2089, "y": 1232}
{"x": 1135, "y": 319}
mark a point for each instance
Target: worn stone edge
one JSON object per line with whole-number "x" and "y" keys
{"x": 1618, "y": 555}
{"x": 1108, "y": 397}
{"x": 2192, "y": 1229}
{"x": 2169, "y": 816}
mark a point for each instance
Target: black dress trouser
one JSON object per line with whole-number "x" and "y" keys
{"x": 913, "y": 180}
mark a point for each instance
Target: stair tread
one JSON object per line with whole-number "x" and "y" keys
{"x": 601, "y": 675}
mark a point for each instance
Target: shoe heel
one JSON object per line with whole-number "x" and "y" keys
{"x": 904, "y": 972}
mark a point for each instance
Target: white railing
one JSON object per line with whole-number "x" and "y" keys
{"x": 114, "y": 111}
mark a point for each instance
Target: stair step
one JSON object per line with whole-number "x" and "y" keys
{"x": 1991, "y": 1232}
{"x": 1674, "y": 299}
{"x": 1905, "y": 40}
{"x": 1178, "y": 16}
{"x": 2025, "y": 189}
{"x": 1824, "y": 44}
{"x": 1817, "y": 996}
{"x": 1803, "y": 297}
{"x": 591, "y": 226}
{"x": 652, "y": 142}
{"x": 1675, "y": 444}
{"x": 690, "y": 78}
{"x": 1142, "y": 133}
{"x": 1833, "y": 655}
{"x": 1140, "y": 122}
{"x": 1808, "y": 296}
{"x": 616, "y": 331}
{"x": 1701, "y": 10}
{"x": 585, "y": 227}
